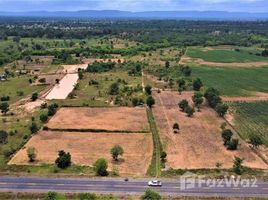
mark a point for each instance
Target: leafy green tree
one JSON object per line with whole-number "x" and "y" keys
{"x": 197, "y": 84}
{"x": 52, "y": 109}
{"x": 198, "y": 100}
{"x": 34, "y": 96}
{"x": 100, "y": 167}
{"x": 186, "y": 70}
{"x": 114, "y": 89}
{"x": 190, "y": 111}
{"x": 255, "y": 140}
{"x": 151, "y": 195}
{"x": 221, "y": 109}
{"x": 33, "y": 128}
{"x": 31, "y": 152}
{"x": 148, "y": 89}
{"x": 4, "y": 107}
{"x": 226, "y": 135}
{"x": 80, "y": 74}
{"x": 64, "y": 160}
{"x": 237, "y": 166}
{"x": 116, "y": 151}
{"x": 183, "y": 105}
{"x": 181, "y": 83}
{"x": 3, "y": 137}
{"x": 150, "y": 101}
{"x": 43, "y": 118}
{"x": 232, "y": 144}
{"x": 212, "y": 96}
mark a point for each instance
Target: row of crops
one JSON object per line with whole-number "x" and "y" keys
{"x": 252, "y": 118}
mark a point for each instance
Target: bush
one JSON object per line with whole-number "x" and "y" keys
{"x": 4, "y": 107}
{"x": 64, "y": 160}
{"x": 148, "y": 89}
{"x": 54, "y": 196}
{"x": 183, "y": 105}
{"x": 176, "y": 126}
{"x": 255, "y": 140}
{"x": 5, "y": 98}
{"x": 221, "y": 109}
{"x": 190, "y": 111}
{"x": 212, "y": 96}
{"x": 150, "y": 101}
{"x": 33, "y": 128}
{"x": 43, "y": 118}
{"x": 52, "y": 109}
{"x": 31, "y": 152}
{"x": 232, "y": 144}
{"x": 163, "y": 156}
{"x": 197, "y": 84}
{"x": 151, "y": 195}
{"x": 237, "y": 166}
{"x": 226, "y": 135}
{"x": 100, "y": 167}
{"x": 114, "y": 89}
{"x": 3, "y": 137}
{"x": 34, "y": 96}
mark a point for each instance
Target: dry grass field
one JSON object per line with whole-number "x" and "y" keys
{"x": 111, "y": 119}
{"x": 199, "y": 143}
{"x": 86, "y": 148}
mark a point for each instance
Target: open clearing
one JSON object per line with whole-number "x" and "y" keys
{"x": 110, "y": 119}
{"x": 86, "y": 148}
{"x": 199, "y": 143}
{"x": 64, "y": 88}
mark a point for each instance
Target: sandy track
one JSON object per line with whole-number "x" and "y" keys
{"x": 86, "y": 148}
{"x": 112, "y": 119}
{"x": 199, "y": 143}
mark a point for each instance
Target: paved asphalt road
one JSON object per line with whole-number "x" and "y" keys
{"x": 119, "y": 186}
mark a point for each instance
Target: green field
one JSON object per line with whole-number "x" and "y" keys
{"x": 251, "y": 118}
{"x": 225, "y": 55}
{"x": 12, "y": 86}
{"x": 234, "y": 81}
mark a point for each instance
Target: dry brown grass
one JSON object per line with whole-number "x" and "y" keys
{"x": 86, "y": 148}
{"x": 111, "y": 119}
{"x": 199, "y": 143}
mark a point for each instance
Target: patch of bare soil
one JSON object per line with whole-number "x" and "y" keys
{"x": 199, "y": 143}
{"x": 86, "y": 148}
{"x": 50, "y": 79}
{"x": 110, "y": 118}
{"x": 73, "y": 68}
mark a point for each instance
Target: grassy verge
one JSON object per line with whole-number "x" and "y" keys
{"x": 155, "y": 167}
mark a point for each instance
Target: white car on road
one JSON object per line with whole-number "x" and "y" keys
{"x": 154, "y": 183}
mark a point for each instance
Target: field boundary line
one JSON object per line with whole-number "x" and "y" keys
{"x": 156, "y": 162}
{"x": 92, "y": 130}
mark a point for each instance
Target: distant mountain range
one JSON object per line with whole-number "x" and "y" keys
{"x": 187, "y": 15}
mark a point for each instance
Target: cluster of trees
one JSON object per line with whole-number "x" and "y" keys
{"x": 229, "y": 142}
{"x": 98, "y": 67}
{"x": 185, "y": 107}
{"x": 214, "y": 100}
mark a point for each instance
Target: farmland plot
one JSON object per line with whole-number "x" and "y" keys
{"x": 86, "y": 148}
{"x": 199, "y": 143}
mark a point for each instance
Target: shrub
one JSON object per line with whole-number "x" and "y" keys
{"x": 114, "y": 89}
{"x": 87, "y": 196}
{"x": 100, "y": 167}
{"x": 183, "y": 105}
{"x": 197, "y": 84}
{"x": 64, "y": 160}
{"x": 163, "y": 156}
{"x": 52, "y": 109}
{"x": 221, "y": 109}
{"x": 190, "y": 111}
{"x": 237, "y": 166}
{"x": 43, "y": 118}
{"x": 212, "y": 96}
{"x": 255, "y": 140}
{"x": 232, "y": 144}
{"x": 150, "y": 101}
{"x": 34, "y": 96}
{"x": 148, "y": 89}
{"x": 31, "y": 152}
{"x": 33, "y": 128}
{"x": 176, "y": 126}
{"x": 151, "y": 195}
{"x": 3, "y": 137}
{"x": 226, "y": 135}
{"x": 4, "y": 107}
{"x": 5, "y": 98}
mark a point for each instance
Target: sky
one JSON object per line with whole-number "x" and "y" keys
{"x": 135, "y": 5}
